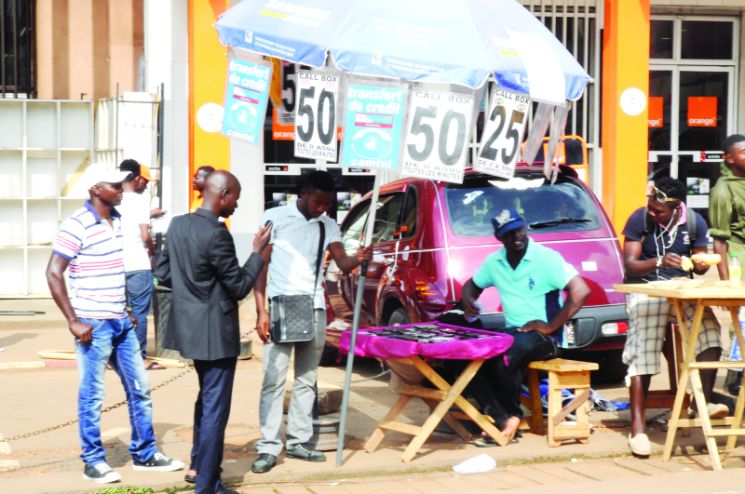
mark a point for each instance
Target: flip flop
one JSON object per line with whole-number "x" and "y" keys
{"x": 154, "y": 366}
{"x": 484, "y": 442}
{"x": 488, "y": 442}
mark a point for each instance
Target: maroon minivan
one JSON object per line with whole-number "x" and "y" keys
{"x": 430, "y": 237}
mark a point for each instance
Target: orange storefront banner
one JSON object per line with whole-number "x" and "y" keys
{"x": 654, "y": 117}
{"x": 283, "y": 126}
{"x": 702, "y": 111}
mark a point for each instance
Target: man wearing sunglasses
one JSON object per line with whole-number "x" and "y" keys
{"x": 656, "y": 238}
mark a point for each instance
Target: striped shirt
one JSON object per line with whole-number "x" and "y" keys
{"x": 96, "y": 270}
{"x": 292, "y": 268}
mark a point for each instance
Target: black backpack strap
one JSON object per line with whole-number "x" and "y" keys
{"x": 319, "y": 258}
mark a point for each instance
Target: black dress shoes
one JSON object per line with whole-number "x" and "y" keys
{"x": 302, "y": 453}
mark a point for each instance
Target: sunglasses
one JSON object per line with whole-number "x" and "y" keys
{"x": 658, "y": 195}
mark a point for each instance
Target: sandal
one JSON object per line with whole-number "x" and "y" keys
{"x": 153, "y": 365}
{"x": 488, "y": 442}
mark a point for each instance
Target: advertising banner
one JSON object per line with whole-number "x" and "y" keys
{"x": 655, "y": 112}
{"x": 503, "y": 134}
{"x": 245, "y": 99}
{"x": 702, "y": 111}
{"x": 373, "y": 123}
{"x": 315, "y": 115}
{"x": 438, "y": 130}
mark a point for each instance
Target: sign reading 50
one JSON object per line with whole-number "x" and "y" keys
{"x": 315, "y": 119}
{"x": 437, "y": 134}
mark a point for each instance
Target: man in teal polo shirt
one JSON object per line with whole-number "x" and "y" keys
{"x": 530, "y": 279}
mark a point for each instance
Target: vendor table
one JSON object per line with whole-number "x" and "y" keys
{"x": 416, "y": 345}
{"x": 702, "y": 294}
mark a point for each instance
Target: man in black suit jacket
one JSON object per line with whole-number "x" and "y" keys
{"x": 200, "y": 264}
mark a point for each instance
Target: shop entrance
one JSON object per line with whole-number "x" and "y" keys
{"x": 691, "y": 100}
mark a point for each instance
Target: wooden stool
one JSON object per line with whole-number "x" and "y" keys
{"x": 562, "y": 373}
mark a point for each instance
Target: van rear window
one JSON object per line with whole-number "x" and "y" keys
{"x": 562, "y": 207}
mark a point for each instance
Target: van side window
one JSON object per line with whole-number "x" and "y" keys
{"x": 387, "y": 217}
{"x": 354, "y": 227}
{"x": 411, "y": 213}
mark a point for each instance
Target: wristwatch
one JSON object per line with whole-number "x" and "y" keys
{"x": 659, "y": 262}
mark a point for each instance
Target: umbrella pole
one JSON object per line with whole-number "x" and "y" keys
{"x": 356, "y": 323}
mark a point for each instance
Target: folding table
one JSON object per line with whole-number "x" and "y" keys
{"x": 411, "y": 345}
{"x": 701, "y": 294}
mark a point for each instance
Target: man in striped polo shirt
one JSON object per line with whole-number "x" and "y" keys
{"x": 90, "y": 244}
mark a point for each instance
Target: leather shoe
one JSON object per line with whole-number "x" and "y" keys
{"x": 192, "y": 479}
{"x": 263, "y": 463}
{"x": 639, "y": 445}
{"x": 302, "y": 453}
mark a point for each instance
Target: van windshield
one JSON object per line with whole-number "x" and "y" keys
{"x": 562, "y": 207}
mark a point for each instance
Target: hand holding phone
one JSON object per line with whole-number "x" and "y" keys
{"x": 262, "y": 237}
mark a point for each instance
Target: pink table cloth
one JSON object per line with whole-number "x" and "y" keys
{"x": 428, "y": 340}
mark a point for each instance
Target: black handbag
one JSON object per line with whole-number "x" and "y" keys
{"x": 293, "y": 316}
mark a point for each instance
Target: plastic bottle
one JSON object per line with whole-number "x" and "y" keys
{"x": 735, "y": 270}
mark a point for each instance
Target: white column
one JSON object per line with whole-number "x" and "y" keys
{"x": 166, "y": 62}
{"x": 247, "y": 164}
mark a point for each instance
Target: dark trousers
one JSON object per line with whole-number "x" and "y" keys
{"x": 496, "y": 386}
{"x": 211, "y": 412}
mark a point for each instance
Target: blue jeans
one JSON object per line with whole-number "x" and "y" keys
{"x": 113, "y": 341}
{"x": 139, "y": 297}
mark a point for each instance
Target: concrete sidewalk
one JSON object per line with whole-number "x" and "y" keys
{"x": 42, "y": 397}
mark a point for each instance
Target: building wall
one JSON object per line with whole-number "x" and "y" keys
{"x": 84, "y": 48}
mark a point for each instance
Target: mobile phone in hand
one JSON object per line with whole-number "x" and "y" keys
{"x": 268, "y": 223}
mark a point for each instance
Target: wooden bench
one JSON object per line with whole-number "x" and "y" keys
{"x": 562, "y": 373}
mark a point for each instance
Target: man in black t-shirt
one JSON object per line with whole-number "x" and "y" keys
{"x": 656, "y": 238}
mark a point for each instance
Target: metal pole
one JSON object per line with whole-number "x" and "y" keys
{"x": 356, "y": 322}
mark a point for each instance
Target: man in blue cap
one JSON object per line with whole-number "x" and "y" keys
{"x": 530, "y": 279}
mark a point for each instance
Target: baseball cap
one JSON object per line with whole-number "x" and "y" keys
{"x": 99, "y": 173}
{"x": 145, "y": 173}
{"x": 506, "y": 221}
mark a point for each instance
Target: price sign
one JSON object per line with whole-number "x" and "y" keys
{"x": 283, "y": 115}
{"x": 437, "y": 134}
{"x": 315, "y": 115}
{"x": 246, "y": 96}
{"x": 503, "y": 134}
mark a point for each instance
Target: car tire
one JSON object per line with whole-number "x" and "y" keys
{"x": 398, "y": 316}
{"x": 612, "y": 369}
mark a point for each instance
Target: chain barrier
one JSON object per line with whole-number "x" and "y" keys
{"x": 105, "y": 410}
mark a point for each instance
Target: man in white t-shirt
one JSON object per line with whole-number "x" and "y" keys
{"x": 138, "y": 247}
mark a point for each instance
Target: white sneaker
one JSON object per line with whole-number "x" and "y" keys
{"x": 101, "y": 473}
{"x": 159, "y": 463}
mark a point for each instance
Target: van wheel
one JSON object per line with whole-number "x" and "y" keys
{"x": 398, "y": 316}
{"x": 612, "y": 369}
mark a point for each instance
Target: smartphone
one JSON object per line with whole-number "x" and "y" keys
{"x": 268, "y": 223}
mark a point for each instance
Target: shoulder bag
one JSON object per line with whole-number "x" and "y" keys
{"x": 293, "y": 316}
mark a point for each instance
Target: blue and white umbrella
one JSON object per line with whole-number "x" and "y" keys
{"x": 461, "y": 42}
{"x": 449, "y": 41}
